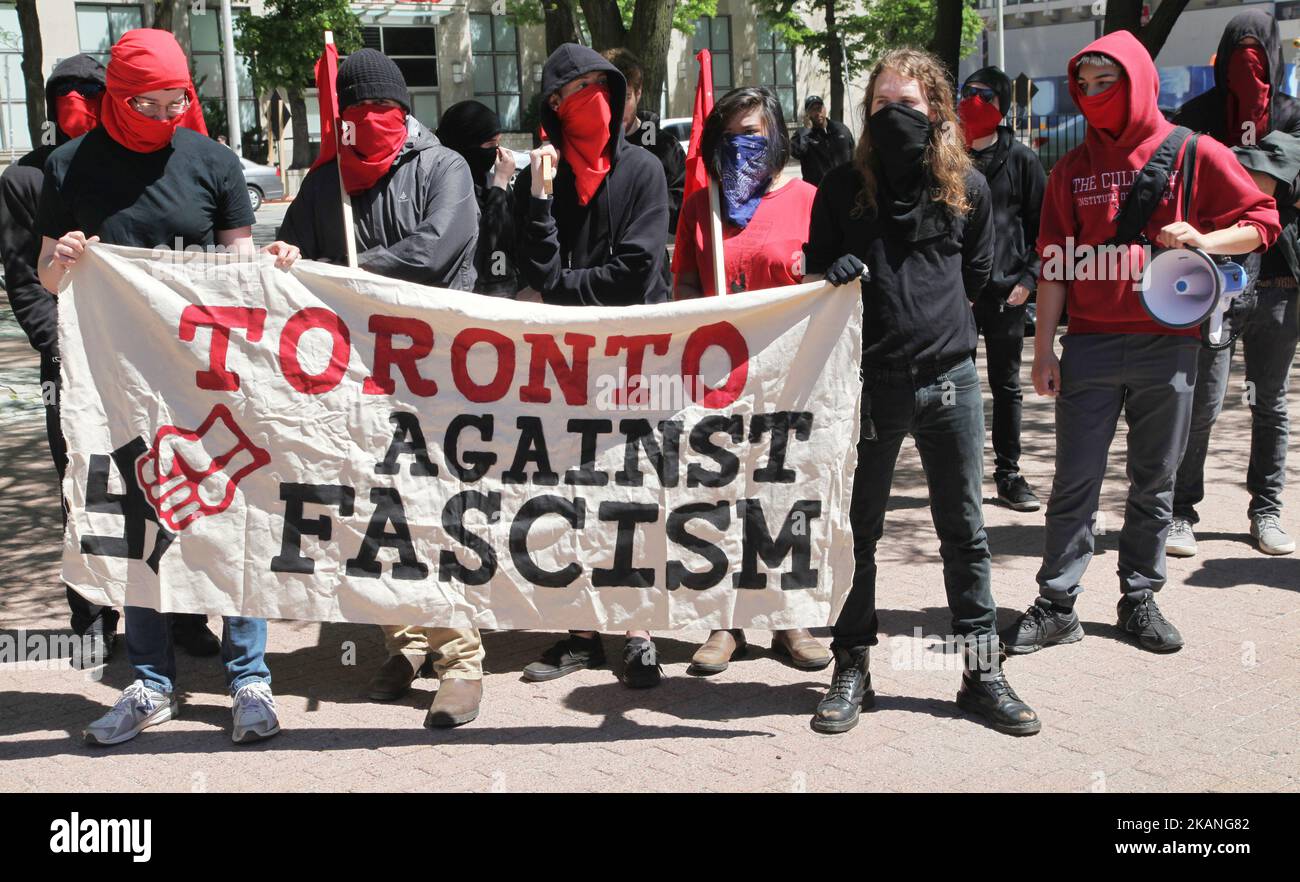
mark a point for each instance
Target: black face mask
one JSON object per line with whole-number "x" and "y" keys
{"x": 481, "y": 160}
{"x": 899, "y": 138}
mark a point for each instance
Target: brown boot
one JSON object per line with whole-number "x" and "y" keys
{"x": 714, "y": 654}
{"x": 394, "y": 677}
{"x": 803, "y": 650}
{"x": 456, "y": 703}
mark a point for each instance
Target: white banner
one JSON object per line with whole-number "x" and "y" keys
{"x": 328, "y": 445}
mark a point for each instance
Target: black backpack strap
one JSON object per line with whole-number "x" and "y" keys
{"x": 1149, "y": 188}
{"x": 1188, "y": 170}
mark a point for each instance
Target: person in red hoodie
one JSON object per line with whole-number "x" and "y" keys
{"x": 1114, "y": 358}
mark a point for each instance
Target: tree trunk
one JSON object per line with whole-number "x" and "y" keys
{"x": 1124, "y": 15}
{"x": 835, "y": 59}
{"x": 947, "y": 35}
{"x": 302, "y": 152}
{"x": 164, "y": 14}
{"x": 561, "y": 24}
{"x": 33, "y": 80}
{"x": 652, "y": 30}
{"x": 605, "y": 23}
{"x": 1157, "y": 30}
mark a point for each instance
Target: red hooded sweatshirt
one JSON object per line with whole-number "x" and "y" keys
{"x": 1088, "y": 184}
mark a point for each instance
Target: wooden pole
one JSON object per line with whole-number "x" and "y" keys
{"x": 349, "y": 228}
{"x": 715, "y": 238}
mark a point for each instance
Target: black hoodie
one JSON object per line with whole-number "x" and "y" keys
{"x": 611, "y": 251}
{"x": 1016, "y": 183}
{"x": 1208, "y": 113}
{"x": 20, "y": 193}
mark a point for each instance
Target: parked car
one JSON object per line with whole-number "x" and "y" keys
{"x": 263, "y": 182}
{"x": 679, "y": 127}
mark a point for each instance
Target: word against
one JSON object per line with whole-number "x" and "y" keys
{"x": 78, "y": 835}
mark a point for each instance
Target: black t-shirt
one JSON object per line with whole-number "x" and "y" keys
{"x": 188, "y": 190}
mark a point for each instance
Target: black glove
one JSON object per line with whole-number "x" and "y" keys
{"x": 847, "y": 269}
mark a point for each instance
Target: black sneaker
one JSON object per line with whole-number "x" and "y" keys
{"x": 849, "y": 693}
{"x": 1041, "y": 626}
{"x": 573, "y": 653}
{"x": 1014, "y": 493}
{"x": 991, "y": 696}
{"x": 98, "y": 642}
{"x": 1144, "y": 620}
{"x": 191, "y": 633}
{"x": 641, "y": 668}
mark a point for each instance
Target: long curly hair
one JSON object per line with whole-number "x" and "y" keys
{"x": 946, "y": 159}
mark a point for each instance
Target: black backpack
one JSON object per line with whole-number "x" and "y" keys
{"x": 1144, "y": 198}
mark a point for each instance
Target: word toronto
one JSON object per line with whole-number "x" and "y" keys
{"x": 77, "y": 835}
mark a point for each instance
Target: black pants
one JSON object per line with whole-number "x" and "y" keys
{"x": 1003, "y": 328}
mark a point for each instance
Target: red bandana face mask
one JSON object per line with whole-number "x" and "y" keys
{"x": 147, "y": 60}
{"x": 1107, "y": 111}
{"x": 979, "y": 118}
{"x": 585, "y": 117}
{"x": 77, "y": 114}
{"x": 1248, "y": 92}
{"x": 375, "y": 136}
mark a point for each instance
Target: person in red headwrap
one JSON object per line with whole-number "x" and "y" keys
{"x": 148, "y": 176}
{"x": 72, "y": 96}
{"x": 1016, "y": 180}
{"x": 1248, "y": 111}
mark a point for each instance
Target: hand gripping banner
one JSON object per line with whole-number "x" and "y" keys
{"x": 325, "y": 444}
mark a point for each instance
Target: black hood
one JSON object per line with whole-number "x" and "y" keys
{"x": 568, "y": 62}
{"x": 996, "y": 80}
{"x": 77, "y": 69}
{"x": 1263, "y": 27}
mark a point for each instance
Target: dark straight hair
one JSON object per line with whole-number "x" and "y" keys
{"x": 739, "y": 101}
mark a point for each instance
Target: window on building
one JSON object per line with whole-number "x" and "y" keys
{"x": 99, "y": 25}
{"x": 714, "y": 33}
{"x": 210, "y": 74}
{"x": 415, "y": 51}
{"x": 776, "y": 68}
{"x": 495, "y": 48}
{"x": 14, "y": 137}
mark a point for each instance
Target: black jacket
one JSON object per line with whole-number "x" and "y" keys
{"x": 916, "y": 307}
{"x": 1016, "y": 182}
{"x": 1208, "y": 113}
{"x": 20, "y": 244}
{"x": 418, "y": 223}
{"x": 496, "y": 242}
{"x": 611, "y": 251}
{"x": 820, "y": 150}
{"x": 668, "y": 150}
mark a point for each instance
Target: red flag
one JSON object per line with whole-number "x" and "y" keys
{"x": 327, "y": 72}
{"x": 697, "y": 177}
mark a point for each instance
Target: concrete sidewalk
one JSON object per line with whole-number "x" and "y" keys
{"x": 1223, "y": 714}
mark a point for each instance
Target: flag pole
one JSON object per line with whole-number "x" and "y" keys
{"x": 715, "y": 238}
{"x": 349, "y": 229}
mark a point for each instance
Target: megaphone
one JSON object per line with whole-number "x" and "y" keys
{"x": 1186, "y": 288}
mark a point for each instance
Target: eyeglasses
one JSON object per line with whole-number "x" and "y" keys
{"x": 153, "y": 108}
{"x": 978, "y": 91}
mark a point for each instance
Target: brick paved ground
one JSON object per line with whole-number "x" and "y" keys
{"x": 1220, "y": 715}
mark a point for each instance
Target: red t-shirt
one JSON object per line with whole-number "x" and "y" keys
{"x": 768, "y": 253}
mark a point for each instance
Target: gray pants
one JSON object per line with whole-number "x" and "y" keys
{"x": 1269, "y": 344}
{"x": 1150, "y": 377}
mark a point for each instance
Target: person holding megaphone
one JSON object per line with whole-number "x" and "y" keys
{"x": 1116, "y": 358}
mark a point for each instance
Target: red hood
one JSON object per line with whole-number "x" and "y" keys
{"x": 1142, "y": 82}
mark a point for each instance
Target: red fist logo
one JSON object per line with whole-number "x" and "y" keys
{"x": 188, "y": 474}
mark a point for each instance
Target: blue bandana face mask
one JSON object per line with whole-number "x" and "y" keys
{"x": 745, "y": 176}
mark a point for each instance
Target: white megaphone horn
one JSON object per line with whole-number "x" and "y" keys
{"x": 1185, "y": 287}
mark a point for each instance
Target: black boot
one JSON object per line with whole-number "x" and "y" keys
{"x": 190, "y": 633}
{"x": 1042, "y": 625}
{"x": 1144, "y": 620}
{"x": 850, "y": 691}
{"x": 991, "y": 696}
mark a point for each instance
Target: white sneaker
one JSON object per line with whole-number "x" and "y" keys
{"x": 139, "y": 708}
{"x": 1266, "y": 529}
{"x": 254, "y": 713}
{"x": 1181, "y": 541}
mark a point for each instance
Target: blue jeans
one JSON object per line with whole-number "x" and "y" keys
{"x": 152, "y": 654}
{"x": 942, "y": 408}
{"x": 1269, "y": 342}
